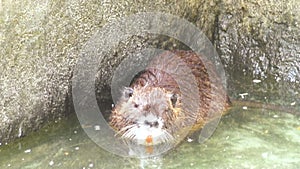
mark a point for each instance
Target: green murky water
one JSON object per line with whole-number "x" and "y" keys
{"x": 251, "y": 138}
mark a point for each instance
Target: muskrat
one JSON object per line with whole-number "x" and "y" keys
{"x": 161, "y": 102}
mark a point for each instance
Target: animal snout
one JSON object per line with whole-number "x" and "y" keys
{"x": 152, "y": 124}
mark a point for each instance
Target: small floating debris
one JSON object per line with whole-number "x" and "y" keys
{"x": 91, "y": 165}
{"x": 243, "y": 95}
{"x": 293, "y": 104}
{"x": 27, "y": 151}
{"x": 256, "y": 81}
{"x": 275, "y": 116}
{"x": 76, "y": 148}
{"x": 51, "y": 163}
{"x": 189, "y": 140}
{"x": 265, "y": 155}
{"x": 75, "y": 132}
{"x": 97, "y": 127}
{"x": 239, "y": 156}
{"x": 8, "y": 165}
{"x": 245, "y": 107}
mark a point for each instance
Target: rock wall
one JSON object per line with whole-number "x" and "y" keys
{"x": 260, "y": 40}
{"x": 41, "y": 40}
{"x": 40, "y": 43}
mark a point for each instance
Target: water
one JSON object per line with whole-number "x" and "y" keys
{"x": 252, "y": 138}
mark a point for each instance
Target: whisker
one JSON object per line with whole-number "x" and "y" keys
{"x": 130, "y": 133}
{"x": 166, "y": 137}
{"x": 125, "y": 128}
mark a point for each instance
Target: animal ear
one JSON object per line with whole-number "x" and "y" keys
{"x": 173, "y": 98}
{"x": 128, "y": 92}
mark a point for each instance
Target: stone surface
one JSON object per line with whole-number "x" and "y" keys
{"x": 40, "y": 43}
{"x": 260, "y": 40}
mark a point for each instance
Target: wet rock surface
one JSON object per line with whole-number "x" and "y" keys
{"x": 259, "y": 44}
{"x": 40, "y": 45}
{"x": 42, "y": 40}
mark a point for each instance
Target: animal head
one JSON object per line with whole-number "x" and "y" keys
{"x": 146, "y": 114}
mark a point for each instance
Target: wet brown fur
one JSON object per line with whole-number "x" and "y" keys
{"x": 212, "y": 96}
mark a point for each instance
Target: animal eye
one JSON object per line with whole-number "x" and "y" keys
{"x": 156, "y": 123}
{"x": 173, "y": 99}
{"x": 128, "y": 92}
{"x": 136, "y": 105}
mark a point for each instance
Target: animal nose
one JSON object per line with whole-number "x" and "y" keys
{"x": 152, "y": 124}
